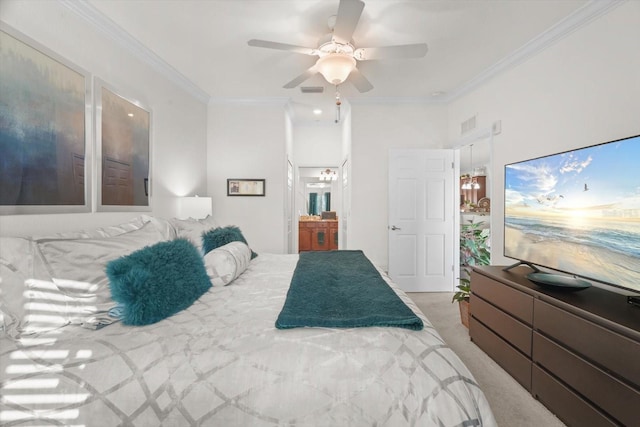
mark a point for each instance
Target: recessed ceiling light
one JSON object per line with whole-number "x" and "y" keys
{"x": 317, "y": 111}
{"x": 130, "y": 114}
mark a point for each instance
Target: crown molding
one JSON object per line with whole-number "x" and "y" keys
{"x": 590, "y": 11}
{"x": 580, "y": 17}
{"x": 587, "y": 13}
{"x": 114, "y": 32}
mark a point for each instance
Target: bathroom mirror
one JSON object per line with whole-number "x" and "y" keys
{"x": 318, "y": 197}
{"x": 318, "y": 189}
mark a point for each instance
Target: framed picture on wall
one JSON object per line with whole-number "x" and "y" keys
{"x": 45, "y": 129}
{"x": 245, "y": 187}
{"x": 123, "y": 145}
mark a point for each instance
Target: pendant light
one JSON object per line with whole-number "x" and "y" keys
{"x": 471, "y": 182}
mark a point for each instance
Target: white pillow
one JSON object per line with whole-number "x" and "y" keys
{"x": 77, "y": 290}
{"x": 48, "y": 308}
{"x": 165, "y": 227}
{"x": 12, "y": 301}
{"x": 226, "y": 263}
{"x": 192, "y": 229}
{"x": 21, "y": 259}
{"x": 84, "y": 260}
{"x": 114, "y": 230}
{"x": 109, "y": 231}
{"x": 16, "y": 265}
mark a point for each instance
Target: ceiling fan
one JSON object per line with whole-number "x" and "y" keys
{"x": 337, "y": 53}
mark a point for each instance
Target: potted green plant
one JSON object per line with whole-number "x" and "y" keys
{"x": 474, "y": 250}
{"x": 462, "y": 297}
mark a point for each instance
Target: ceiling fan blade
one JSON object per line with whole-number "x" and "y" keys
{"x": 302, "y": 77}
{"x": 359, "y": 81}
{"x": 349, "y": 12}
{"x": 417, "y": 50}
{"x": 283, "y": 46}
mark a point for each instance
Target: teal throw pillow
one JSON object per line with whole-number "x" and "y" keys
{"x": 157, "y": 281}
{"x": 218, "y": 237}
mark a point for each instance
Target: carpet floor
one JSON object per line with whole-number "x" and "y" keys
{"x": 512, "y": 405}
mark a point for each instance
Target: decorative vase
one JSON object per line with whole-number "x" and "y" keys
{"x": 464, "y": 312}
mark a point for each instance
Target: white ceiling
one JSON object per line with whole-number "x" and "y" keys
{"x": 206, "y": 42}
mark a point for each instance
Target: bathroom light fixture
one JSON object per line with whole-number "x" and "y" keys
{"x": 328, "y": 175}
{"x": 317, "y": 111}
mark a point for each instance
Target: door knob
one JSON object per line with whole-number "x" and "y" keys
{"x": 393, "y": 227}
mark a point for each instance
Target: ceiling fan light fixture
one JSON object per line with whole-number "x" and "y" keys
{"x": 335, "y": 67}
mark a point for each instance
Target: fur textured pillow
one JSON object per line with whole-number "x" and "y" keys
{"x": 158, "y": 281}
{"x": 220, "y": 236}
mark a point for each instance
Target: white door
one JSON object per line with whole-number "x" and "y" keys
{"x": 422, "y": 239}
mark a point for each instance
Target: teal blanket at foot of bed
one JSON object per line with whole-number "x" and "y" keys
{"x": 342, "y": 289}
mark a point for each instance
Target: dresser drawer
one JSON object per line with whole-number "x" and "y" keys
{"x": 603, "y": 390}
{"x": 607, "y": 349}
{"x": 312, "y": 224}
{"x": 509, "y": 328}
{"x": 516, "y": 303}
{"x": 517, "y": 365}
{"x": 564, "y": 403}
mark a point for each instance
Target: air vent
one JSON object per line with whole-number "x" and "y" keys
{"x": 311, "y": 89}
{"x": 468, "y": 125}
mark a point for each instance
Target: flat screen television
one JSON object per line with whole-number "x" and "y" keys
{"x": 577, "y": 212}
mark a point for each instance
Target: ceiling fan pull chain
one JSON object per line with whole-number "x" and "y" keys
{"x": 338, "y": 103}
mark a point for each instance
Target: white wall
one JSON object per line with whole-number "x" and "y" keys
{"x": 345, "y": 170}
{"x": 249, "y": 141}
{"x": 289, "y": 219}
{"x": 288, "y": 129}
{"x": 179, "y": 119}
{"x": 374, "y": 130}
{"x": 583, "y": 90}
{"x": 317, "y": 144}
{"x": 346, "y": 130}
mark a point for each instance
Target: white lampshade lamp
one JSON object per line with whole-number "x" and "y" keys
{"x": 194, "y": 207}
{"x": 336, "y": 67}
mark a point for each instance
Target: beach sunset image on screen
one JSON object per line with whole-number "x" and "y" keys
{"x": 578, "y": 212}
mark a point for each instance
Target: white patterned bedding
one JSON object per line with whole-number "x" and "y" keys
{"x": 222, "y": 362}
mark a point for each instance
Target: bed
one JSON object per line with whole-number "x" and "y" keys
{"x": 222, "y": 361}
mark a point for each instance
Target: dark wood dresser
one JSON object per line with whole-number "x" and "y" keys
{"x": 576, "y": 352}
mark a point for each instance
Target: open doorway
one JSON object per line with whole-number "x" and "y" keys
{"x": 317, "y": 202}
{"x": 475, "y": 202}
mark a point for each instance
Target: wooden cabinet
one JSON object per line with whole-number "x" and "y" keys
{"x": 317, "y": 235}
{"x": 305, "y": 234}
{"x": 576, "y": 352}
